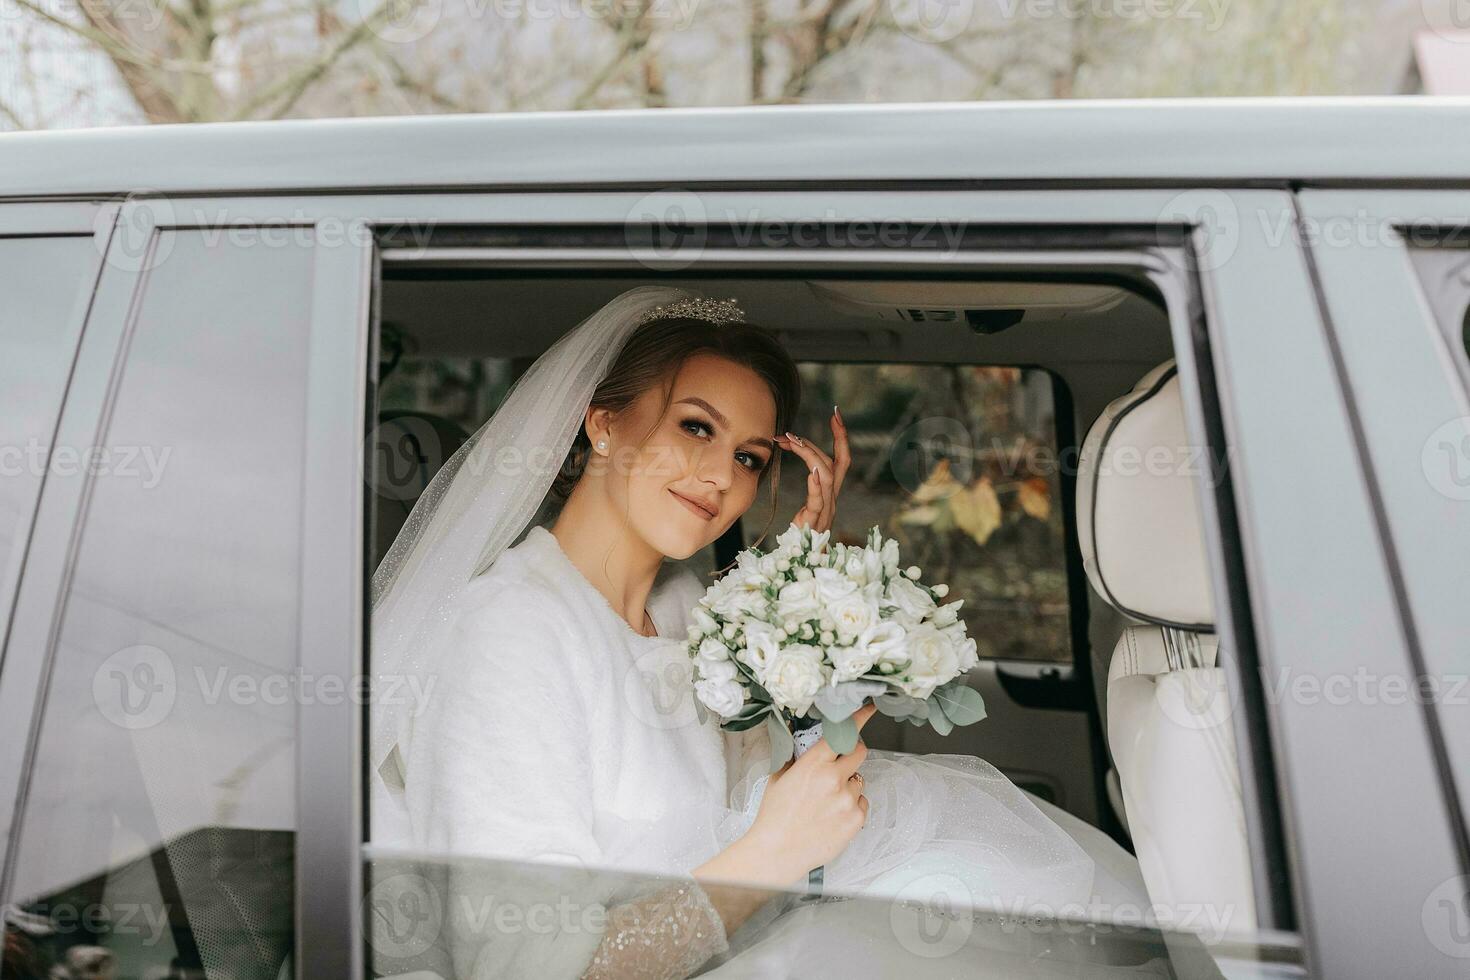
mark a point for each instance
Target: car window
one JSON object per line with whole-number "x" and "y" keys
{"x": 44, "y": 284}
{"x": 959, "y": 462}
{"x": 1444, "y": 273}
{"x": 424, "y": 914}
{"x": 156, "y": 834}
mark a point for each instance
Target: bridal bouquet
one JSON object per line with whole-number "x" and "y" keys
{"x": 800, "y": 637}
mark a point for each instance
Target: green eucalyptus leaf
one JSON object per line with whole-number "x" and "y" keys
{"x": 940, "y": 723}
{"x": 841, "y": 735}
{"x": 961, "y": 703}
{"x": 839, "y": 701}
{"x": 895, "y": 705}
{"x": 782, "y": 745}
{"x": 746, "y": 721}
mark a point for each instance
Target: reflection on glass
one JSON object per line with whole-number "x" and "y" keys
{"x": 162, "y": 799}
{"x": 43, "y": 281}
{"x": 488, "y": 918}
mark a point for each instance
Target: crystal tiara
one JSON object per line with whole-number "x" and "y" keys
{"x": 698, "y": 308}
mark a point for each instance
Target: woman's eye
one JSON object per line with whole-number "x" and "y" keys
{"x": 748, "y": 460}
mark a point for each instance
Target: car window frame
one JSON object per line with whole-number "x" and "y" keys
{"x": 333, "y": 592}
{"x": 1417, "y": 521}
{"x": 1095, "y": 249}
{"x": 1153, "y": 222}
{"x": 56, "y": 503}
{"x": 50, "y": 221}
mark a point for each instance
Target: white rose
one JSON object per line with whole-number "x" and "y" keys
{"x": 968, "y": 654}
{"x": 833, "y": 585}
{"x": 965, "y": 648}
{"x": 712, "y": 650}
{"x": 724, "y": 697}
{"x": 910, "y": 599}
{"x": 717, "y": 670}
{"x": 794, "y": 677}
{"x": 798, "y": 600}
{"x": 705, "y": 621}
{"x": 887, "y": 641}
{"x": 948, "y": 613}
{"x": 851, "y": 662}
{"x": 855, "y": 568}
{"x": 790, "y": 539}
{"x": 761, "y": 645}
{"x": 738, "y": 603}
{"x": 932, "y": 662}
{"x": 853, "y": 615}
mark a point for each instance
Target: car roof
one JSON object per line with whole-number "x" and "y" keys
{"x": 1117, "y": 143}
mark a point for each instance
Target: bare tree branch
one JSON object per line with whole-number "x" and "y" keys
{"x": 12, "y": 115}
{"x": 295, "y": 84}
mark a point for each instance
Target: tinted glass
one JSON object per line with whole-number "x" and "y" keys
{"x": 157, "y": 831}
{"x": 44, "y": 283}
{"x": 549, "y": 920}
{"x": 959, "y": 462}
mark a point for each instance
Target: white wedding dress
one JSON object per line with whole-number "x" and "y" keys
{"x": 556, "y": 733}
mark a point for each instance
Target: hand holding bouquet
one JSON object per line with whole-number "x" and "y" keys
{"x": 805, "y": 634}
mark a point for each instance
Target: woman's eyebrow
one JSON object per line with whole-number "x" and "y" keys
{"x": 719, "y": 417}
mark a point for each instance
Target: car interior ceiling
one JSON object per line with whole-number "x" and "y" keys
{"x": 1097, "y": 350}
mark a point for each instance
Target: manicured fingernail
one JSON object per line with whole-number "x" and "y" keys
{"x": 837, "y": 413}
{"x": 795, "y": 439}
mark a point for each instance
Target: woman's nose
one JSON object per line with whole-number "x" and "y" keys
{"x": 716, "y": 468}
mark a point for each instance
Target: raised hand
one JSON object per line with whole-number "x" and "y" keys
{"x": 824, "y": 481}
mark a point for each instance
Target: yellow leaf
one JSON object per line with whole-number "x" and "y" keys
{"x": 940, "y": 483}
{"x": 1035, "y": 498}
{"x": 976, "y": 510}
{"x": 923, "y": 515}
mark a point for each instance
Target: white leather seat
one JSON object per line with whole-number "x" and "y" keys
{"x": 1169, "y": 709}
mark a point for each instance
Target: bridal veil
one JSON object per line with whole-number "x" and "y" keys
{"x": 476, "y": 506}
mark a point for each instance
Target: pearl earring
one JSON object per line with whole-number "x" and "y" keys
{"x": 602, "y": 444}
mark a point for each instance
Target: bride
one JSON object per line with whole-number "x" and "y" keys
{"x": 558, "y": 726}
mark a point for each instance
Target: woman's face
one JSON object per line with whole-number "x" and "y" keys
{"x": 701, "y": 466}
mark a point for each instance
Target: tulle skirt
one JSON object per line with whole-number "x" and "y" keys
{"x": 951, "y": 828}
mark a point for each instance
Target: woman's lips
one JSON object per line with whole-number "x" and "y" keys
{"x": 696, "y": 508}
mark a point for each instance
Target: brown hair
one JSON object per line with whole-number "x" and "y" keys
{"x": 654, "y": 354}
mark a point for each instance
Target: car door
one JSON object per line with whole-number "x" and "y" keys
{"x": 1394, "y": 273}
{"x": 169, "y": 627}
